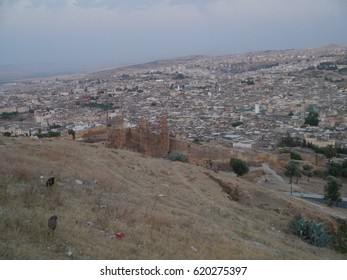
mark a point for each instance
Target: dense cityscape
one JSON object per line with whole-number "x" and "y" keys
{"x": 248, "y": 100}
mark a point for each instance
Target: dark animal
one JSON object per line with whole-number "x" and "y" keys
{"x": 50, "y": 182}
{"x": 52, "y": 223}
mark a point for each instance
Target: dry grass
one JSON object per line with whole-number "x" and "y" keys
{"x": 166, "y": 210}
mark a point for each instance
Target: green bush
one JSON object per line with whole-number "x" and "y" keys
{"x": 295, "y": 156}
{"x": 49, "y": 134}
{"x": 239, "y": 166}
{"x": 174, "y": 156}
{"x": 236, "y": 124}
{"x": 312, "y": 232}
{"x": 8, "y": 116}
{"x": 340, "y": 241}
{"x": 312, "y": 119}
{"x": 335, "y": 169}
{"x": 197, "y": 141}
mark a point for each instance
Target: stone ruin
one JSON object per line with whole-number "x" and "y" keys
{"x": 154, "y": 141}
{"x": 143, "y": 139}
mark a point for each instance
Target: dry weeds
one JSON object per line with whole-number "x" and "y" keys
{"x": 166, "y": 210}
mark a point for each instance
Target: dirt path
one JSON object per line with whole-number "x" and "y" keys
{"x": 271, "y": 174}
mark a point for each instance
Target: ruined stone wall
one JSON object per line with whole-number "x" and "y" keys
{"x": 140, "y": 139}
{"x": 312, "y": 157}
{"x": 115, "y": 133}
{"x": 201, "y": 153}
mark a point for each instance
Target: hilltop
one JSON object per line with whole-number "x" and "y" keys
{"x": 164, "y": 209}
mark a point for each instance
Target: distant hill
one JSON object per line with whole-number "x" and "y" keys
{"x": 145, "y": 65}
{"x": 12, "y": 73}
{"x": 159, "y": 209}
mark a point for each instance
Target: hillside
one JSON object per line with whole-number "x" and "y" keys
{"x": 166, "y": 210}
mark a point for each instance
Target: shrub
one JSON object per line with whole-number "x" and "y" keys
{"x": 289, "y": 141}
{"x": 8, "y": 116}
{"x": 7, "y": 134}
{"x": 49, "y": 134}
{"x": 344, "y": 173}
{"x": 239, "y": 166}
{"x": 174, "y": 156}
{"x": 335, "y": 169}
{"x": 295, "y": 156}
{"x": 340, "y": 241}
{"x": 312, "y": 232}
{"x": 197, "y": 141}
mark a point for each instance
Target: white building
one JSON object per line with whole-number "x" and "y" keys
{"x": 257, "y": 108}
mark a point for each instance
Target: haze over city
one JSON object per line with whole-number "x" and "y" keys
{"x": 80, "y": 35}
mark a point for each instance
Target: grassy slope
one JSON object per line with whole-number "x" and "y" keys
{"x": 166, "y": 210}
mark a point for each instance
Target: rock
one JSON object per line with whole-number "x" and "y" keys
{"x": 69, "y": 253}
{"x": 193, "y": 248}
{"x": 79, "y": 182}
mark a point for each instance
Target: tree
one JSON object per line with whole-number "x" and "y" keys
{"x": 298, "y": 176}
{"x": 332, "y": 190}
{"x": 330, "y": 151}
{"x": 239, "y": 166}
{"x": 312, "y": 119}
{"x": 292, "y": 170}
{"x": 73, "y": 133}
{"x": 335, "y": 169}
{"x": 307, "y": 171}
{"x": 289, "y": 141}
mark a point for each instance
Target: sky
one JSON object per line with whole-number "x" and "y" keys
{"x": 99, "y": 33}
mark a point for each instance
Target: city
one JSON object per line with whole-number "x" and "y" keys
{"x": 249, "y": 100}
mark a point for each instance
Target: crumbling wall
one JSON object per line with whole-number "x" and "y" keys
{"x": 140, "y": 139}
{"x": 115, "y": 133}
{"x": 200, "y": 151}
{"x": 312, "y": 157}
{"x": 158, "y": 144}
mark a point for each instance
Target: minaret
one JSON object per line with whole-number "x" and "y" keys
{"x": 303, "y": 109}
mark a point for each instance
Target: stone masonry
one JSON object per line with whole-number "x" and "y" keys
{"x": 140, "y": 139}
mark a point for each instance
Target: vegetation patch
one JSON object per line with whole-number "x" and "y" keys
{"x": 49, "y": 134}
{"x": 174, "y": 156}
{"x": 239, "y": 166}
{"x": 340, "y": 241}
{"x": 312, "y": 232}
{"x": 9, "y": 116}
{"x": 295, "y": 156}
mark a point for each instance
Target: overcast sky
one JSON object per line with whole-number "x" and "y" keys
{"x": 97, "y": 33}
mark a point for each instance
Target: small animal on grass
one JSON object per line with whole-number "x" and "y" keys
{"x": 50, "y": 182}
{"x": 52, "y": 223}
